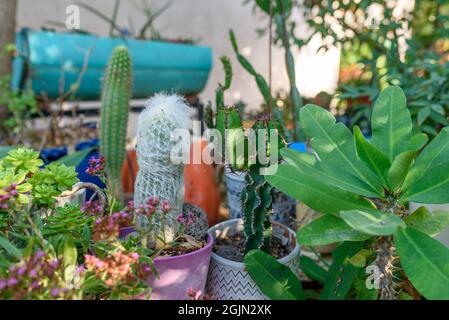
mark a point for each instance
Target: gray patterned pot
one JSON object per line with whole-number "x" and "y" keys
{"x": 228, "y": 280}
{"x": 284, "y": 206}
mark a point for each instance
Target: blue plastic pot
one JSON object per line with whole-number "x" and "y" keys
{"x": 157, "y": 66}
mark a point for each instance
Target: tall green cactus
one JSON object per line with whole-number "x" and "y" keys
{"x": 114, "y": 115}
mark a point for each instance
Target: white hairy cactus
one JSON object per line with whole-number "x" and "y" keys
{"x": 158, "y": 176}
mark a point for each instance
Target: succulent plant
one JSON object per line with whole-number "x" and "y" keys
{"x": 22, "y": 160}
{"x": 114, "y": 115}
{"x": 158, "y": 175}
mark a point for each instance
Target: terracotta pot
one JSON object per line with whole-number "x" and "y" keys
{"x": 129, "y": 171}
{"x": 200, "y": 186}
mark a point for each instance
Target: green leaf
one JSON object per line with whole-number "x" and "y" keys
{"x": 418, "y": 141}
{"x": 423, "y": 114}
{"x": 328, "y": 229}
{"x": 429, "y": 223}
{"x": 425, "y": 262}
{"x": 360, "y": 258}
{"x": 391, "y": 123}
{"x": 311, "y": 269}
{"x": 428, "y": 179}
{"x": 273, "y": 278}
{"x": 399, "y": 169}
{"x": 322, "y": 172}
{"x": 74, "y": 159}
{"x": 314, "y": 192}
{"x": 334, "y": 144}
{"x": 341, "y": 273}
{"x": 373, "y": 222}
{"x": 375, "y": 159}
{"x": 70, "y": 254}
{"x": 10, "y": 248}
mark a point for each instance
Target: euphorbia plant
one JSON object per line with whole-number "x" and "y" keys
{"x": 363, "y": 187}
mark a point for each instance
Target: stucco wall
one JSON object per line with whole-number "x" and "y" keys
{"x": 208, "y": 21}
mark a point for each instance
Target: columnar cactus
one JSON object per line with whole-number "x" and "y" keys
{"x": 158, "y": 175}
{"x": 114, "y": 115}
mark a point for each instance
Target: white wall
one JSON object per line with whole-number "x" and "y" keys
{"x": 208, "y": 20}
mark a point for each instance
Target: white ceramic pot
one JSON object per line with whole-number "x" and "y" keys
{"x": 444, "y": 235}
{"x": 228, "y": 280}
{"x": 78, "y": 197}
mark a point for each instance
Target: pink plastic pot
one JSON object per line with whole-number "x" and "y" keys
{"x": 180, "y": 273}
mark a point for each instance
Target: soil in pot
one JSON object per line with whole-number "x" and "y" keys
{"x": 232, "y": 247}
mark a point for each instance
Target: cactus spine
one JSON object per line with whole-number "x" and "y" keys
{"x": 114, "y": 115}
{"x": 158, "y": 175}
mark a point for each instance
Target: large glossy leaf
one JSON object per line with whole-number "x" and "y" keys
{"x": 314, "y": 192}
{"x": 375, "y": 159}
{"x": 328, "y": 229}
{"x": 428, "y": 179}
{"x": 311, "y": 269}
{"x": 427, "y": 222}
{"x": 431, "y": 188}
{"x": 399, "y": 169}
{"x": 391, "y": 123}
{"x": 417, "y": 141}
{"x": 374, "y": 222}
{"x": 425, "y": 262}
{"x": 273, "y": 278}
{"x": 341, "y": 273}
{"x": 335, "y": 146}
{"x": 331, "y": 175}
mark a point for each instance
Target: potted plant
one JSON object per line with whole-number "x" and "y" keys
{"x": 185, "y": 259}
{"x": 158, "y": 65}
{"x": 228, "y": 278}
{"x": 363, "y": 188}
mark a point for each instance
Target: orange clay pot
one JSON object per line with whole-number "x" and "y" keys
{"x": 129, "y": 171}
{"x": 200, "y": 185}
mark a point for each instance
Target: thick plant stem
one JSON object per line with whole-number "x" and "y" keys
{"x": 384, "y": 261}
{"x": 290, "y": 66}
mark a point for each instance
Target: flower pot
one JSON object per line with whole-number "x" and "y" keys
{"x": 284, "y": 206}
{"x": 235, "y": 181}
{"x": 129, "y": 171}
{"x": 200, "y": 185}
{"x": 228, "y": 280}
{"x": 78, "y": 197}
{"x": 45, "y": 56}
{"x": 178, "y": 274}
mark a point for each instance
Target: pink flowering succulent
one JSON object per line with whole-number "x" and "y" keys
{"x": 96, "y": 166}
{"x": 36, "y": 278}
{"x": 107, "y": 227}
{"x": 120, "y": 271}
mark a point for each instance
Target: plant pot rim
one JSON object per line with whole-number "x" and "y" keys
{"x": 241, "y": 265}
{"x": 208, "y": 246}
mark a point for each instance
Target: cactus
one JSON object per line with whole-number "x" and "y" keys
{"x": 257, "y": 202}
{"x": 158, "y": 175}
{"x": 114, "y": 115}
{"x": 219, "y": 93}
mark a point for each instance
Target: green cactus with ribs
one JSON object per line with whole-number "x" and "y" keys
{"x": 114, "y": 115}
